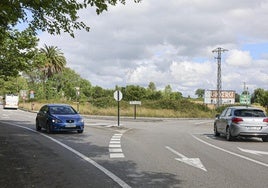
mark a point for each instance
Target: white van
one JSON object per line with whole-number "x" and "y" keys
{"x": 11, "y": 101}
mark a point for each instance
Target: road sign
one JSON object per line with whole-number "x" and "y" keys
{"x": 135, "y": 102}
{"x": 244, "y": 99}
{"x": 118, "y": 95}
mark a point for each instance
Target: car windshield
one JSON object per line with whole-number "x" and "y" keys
{"x": 62, "y": 110}
{"x": 249, "y": 113}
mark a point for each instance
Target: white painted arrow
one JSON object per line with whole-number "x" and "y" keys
{"x": 195, "y": 162}
{"x": 255, "y": 152}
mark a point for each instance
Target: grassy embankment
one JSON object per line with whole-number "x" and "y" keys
{"x": 185, "y": 110}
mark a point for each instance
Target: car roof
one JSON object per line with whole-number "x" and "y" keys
{"x": 49, "y": 105}
{"x": 245, "y": 107}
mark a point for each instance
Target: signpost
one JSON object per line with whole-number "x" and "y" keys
{"x": 118, "y": 97}
{"x": 135, "y": 103}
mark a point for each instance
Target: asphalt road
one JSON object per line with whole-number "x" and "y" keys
{"x": 138, "y": 153}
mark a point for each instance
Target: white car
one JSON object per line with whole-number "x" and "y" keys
{"x": 242, "y": 121}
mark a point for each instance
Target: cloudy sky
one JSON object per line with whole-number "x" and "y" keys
{"x": 170, "y": 43}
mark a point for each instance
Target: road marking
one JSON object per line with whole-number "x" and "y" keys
{"x": 232, "y": 153}
{"x": 255, "y": 152}
{"x": 202, "y": 122}
{"x": 115, "y": 150}
{"x": 195, "y": 162}
{"x": 115, "y": 146}
{"x": 117, "y": 155}
{"x": 89, "y": 160}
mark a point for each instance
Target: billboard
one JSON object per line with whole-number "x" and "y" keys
{"x": 227, "y": 96}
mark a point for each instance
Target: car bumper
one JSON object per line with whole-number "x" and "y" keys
{"x": 67, "y": 127}
{"x": 249, "y": 131}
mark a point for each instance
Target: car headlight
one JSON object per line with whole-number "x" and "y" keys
{"x": 56, "y": 121}
{"x": 81, "y": 120}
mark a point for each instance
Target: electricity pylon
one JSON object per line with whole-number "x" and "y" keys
{"x": 219, "y": 51}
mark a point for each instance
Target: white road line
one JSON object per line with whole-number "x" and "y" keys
{"x": 114, "y": 142}
{"x": 117, "y": 155}
{"x": 114, "y": 145}
{"x": 232, "y": 153}
{"x": 89, "y": 160}
{"x": 115, "y": 149}
{"x": 115, "y": 139}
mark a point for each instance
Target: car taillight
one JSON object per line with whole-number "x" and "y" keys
{"x": 237, "y": 120}
{"x": 265, "y": 120}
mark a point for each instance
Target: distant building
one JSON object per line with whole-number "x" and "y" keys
{"x": 227, "y": 97}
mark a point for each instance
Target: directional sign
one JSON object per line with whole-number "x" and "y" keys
{"x": 245, "y": 99}
{"x": 255, "y": 152}
{"x": 195, "y": 162}
{"x": 135, "y": 102}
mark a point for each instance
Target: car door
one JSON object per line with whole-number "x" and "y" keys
{"x": 221, "y": 121}
{"x": 226, "y": 119}
{"x": 42, "y": 116}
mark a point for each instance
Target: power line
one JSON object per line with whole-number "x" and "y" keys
{"x": 219, "y": 51}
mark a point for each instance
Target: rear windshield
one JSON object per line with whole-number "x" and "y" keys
{"x": 249, "y": 113}
{"x": 62, "y": 110}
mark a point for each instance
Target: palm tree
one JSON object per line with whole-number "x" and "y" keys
{"x": 54, "y": 61}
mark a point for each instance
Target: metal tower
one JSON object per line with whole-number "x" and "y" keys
{"x": 219, "y": 51}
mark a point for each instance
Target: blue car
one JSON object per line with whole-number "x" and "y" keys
{"x": 59, "y": 117}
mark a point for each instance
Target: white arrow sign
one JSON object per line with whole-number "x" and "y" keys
{"x": 195, "y": 162}
{"x": 255, "y": 152}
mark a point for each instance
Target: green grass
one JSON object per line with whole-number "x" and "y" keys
{"x": 89, "y": 109}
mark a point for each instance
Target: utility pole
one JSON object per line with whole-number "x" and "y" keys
{"x": 219, "y": 51}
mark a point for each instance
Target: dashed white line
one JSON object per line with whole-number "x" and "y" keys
{"x": 115, "y": 146}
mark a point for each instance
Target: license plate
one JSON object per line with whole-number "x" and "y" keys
{"x": 254, "y": 128}
{"x": 70, "y": 125}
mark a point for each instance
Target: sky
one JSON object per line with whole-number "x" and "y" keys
{"x": 171, "y": 43}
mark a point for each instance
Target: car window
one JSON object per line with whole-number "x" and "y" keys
{"x": 228, "y": 112}
{"x": 44, "y": 109}
{"x": 62, "y": 110}
{"x": 224, "y": 112}
{"x": 249, "y": 113}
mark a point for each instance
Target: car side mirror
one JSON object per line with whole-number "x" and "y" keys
{"x": 217, "y": 116}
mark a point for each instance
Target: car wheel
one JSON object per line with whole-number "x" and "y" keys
{"x": 265, "y": 139}
{"x": 216, "y": 133}
{"x": 37, "y": 126}
{"x": 80, "y": 131}
{"x": 229, "y": 136}
{"x": 48, "y": 128}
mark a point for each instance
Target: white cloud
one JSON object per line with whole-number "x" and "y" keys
{"x": 239, "y": 58}
{"x": 170, "y": 42}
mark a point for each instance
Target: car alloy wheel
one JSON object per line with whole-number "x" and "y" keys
{"x": 229, "y": 137}
{"x": 48, "y": 128}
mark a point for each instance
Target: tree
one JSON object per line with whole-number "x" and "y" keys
{"x": 200, "y": 93}
{"x": 261, "y": 96}
{"x": 134, "y": 93}
{"x": 167, "y": 92}
{"x": 54, "y": 62}
{"x": 17, "y": 51}
{"x": 152, "y": 87}
{"x": 52, "y": 16}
